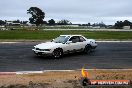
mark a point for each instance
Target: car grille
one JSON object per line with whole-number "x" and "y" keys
{"x": 38, "y": 49}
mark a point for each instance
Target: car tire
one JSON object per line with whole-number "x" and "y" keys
{"x": 88, "y": 49}
{"x": 57, "y": 53}
{"x": 38, "y": 54}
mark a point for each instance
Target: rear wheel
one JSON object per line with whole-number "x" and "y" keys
{"x": 88, "y": 49}
{"x": 57, "y": 53}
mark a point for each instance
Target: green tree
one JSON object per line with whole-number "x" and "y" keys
{"x": 120, "y": 24}
{"x": 45, "y": 22}
{"x": 2, "y": 22}
{"x": 51, "y": 22}
{"x": 37, "y": 15}
{"x": 16, "y": 21}
{"x": 89, "y": 24}
{"x": 64, "y": 22}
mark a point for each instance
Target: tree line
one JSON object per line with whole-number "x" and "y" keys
{"x": 121, "y": 24}
{"x": 37, "y": 18}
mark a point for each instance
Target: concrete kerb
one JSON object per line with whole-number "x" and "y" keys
{"x": 7, "y": 73}
{"x": 9, "y": 42}
{"x": 114, "y": 41}
{"x": 46, "y": 41}
{"x": 41, "y": 72}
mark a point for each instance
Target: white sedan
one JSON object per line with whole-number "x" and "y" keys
{"x": 65, "y": 44}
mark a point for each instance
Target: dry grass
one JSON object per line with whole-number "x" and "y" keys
{"x": 58, "y": 79}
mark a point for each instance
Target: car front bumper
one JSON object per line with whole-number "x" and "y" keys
{"x": 38, "y": 52}
{"x": 94, "y": 46}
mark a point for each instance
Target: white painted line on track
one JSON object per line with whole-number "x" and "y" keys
{"x": 96, "y": 41}
{"x": 58, "y": 70}
{"x": 9, "y": 42}
{"x": 40, "y": 72}
{"x": 109, "y": 69}
{"x": 113, "y": 41}
{"x": 29, "y": 72}
{"x": 7, "y": 73}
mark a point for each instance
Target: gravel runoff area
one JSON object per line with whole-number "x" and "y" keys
{"x": 62, "y": 79}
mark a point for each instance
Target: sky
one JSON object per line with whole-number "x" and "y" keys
{"x": 77, "y": 11}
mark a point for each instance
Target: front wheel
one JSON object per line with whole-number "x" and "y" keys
{"x": 88, "y": 49}
{"x": 38, "y": 54}
{"x": 57, "y": 53}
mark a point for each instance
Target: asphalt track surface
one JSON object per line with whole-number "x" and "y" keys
{"x": 20, "y": 57}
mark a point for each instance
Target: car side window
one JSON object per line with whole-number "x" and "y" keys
{"x": 82, "y": 39}
{"x": 74, "y": 39}
{"x": 66, "y": 39}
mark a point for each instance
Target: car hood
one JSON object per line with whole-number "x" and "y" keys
{"x": 47, "y": 45}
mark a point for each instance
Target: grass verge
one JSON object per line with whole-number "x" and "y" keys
{"x": 46, "y": 35}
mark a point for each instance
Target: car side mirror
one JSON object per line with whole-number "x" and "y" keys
{"x": 68, "y": 42}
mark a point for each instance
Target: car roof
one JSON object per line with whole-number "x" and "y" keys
{"x": 70, "y": 35}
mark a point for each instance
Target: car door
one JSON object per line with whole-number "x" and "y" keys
{"x": 75, "y": 43}
{"x": 82, "y": 42}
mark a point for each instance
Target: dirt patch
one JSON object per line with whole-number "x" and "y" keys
{"x": 59, "y": 79}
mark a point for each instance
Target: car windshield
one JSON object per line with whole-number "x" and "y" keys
{"x": 61, "y": 39}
